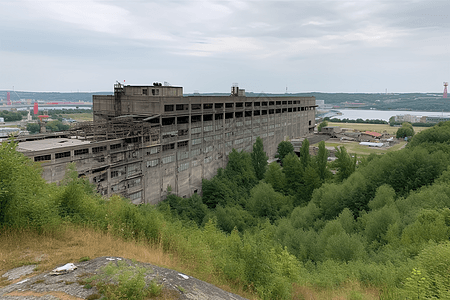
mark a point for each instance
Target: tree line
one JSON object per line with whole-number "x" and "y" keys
{"x": 382, "y": 221}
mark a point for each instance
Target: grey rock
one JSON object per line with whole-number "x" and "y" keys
{"x": 19, "y": 272}
{"x": 186, "y": 287}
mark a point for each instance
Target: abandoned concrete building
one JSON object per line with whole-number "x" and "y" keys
{"x": 146, "y": 138}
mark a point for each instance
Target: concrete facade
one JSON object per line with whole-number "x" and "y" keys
{"x": 147, "y": 138}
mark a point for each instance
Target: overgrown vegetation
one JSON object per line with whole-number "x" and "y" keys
{"x": 11, "y": 116}
{"x": 120, "y": 281}
{"x": 381, "y": 221}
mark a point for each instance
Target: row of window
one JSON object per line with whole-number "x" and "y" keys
{"x": 178, "y": 107}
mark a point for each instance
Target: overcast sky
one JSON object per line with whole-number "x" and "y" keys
{"x": 205, "y": 46}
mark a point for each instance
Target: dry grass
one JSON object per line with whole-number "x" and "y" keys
{"x": 374, "y": 127}
{"x": 80, "y": 117}
{"x": 70, "y": 244}
{"x": 349, "y": 291}
{"x": 355, "y": 147}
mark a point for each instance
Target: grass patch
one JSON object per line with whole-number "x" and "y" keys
{"x": 85, "y": 241}
{"x": 120, "y": 281}
{"x": 374, "y": 127}
{"x": 355, "y": 147}
{"x": 80, "y": 117}
{"x": 84, "y": 258}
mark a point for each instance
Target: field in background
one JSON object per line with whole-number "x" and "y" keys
{"x": 81, "y": 117}
{"x": 373, "y": 127}
{"x": 355, "y": 147}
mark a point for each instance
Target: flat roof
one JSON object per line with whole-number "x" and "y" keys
{"x": 47, "y": 144}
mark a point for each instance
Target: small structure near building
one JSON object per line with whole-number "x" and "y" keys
{"x": 331, "y": 130}
{"x": 368, "y": 136}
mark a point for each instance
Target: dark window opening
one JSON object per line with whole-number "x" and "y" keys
{"x": 248, "y": 113}
{"x": 155, "y": 92}
{"x": 154, "y": 120}
{"x": 115, "y": 146}
{"x": 98, "y": 149}
{"x": 295, "y": 102}
{"x": 43, "y": 157}
{"x": 180, "y": 107}
{"x": 168, "y": 121}
{"x": 284, "y": 110}
{"x": 207, "y": 118}
{"x": 278, "y": 102}
{"x": 195, "y": 119}
{"x": 196, "y": 106}
{"x": 256, "y": 113}
{"x": 183, "y": 120}
{"x": 81, "y": 151}
{"x": 144, "y": 91}
{"x": 264, "y": 103}
{"x": 182, "y": 144}
{"x": 240, "y": 104}
{"x": 62, "y": 154}
{"x": 229, "y": 105}
{"x": 133, "y": 140}
{"x": 271, "y": 111}
{"x": 264, "y": 112}
{"x": 168, "y": 147}
{"x": 155, "y": 137}
{"x": 218, "y": 116}
{"x": 239, "y": 114}
{"x": 207, "y": 106}
{"x": 228, "y": 116}
{"x": 218, "y": 105}
{"x": 284, "y": 102}
{"x": 278, "y": 111}
{"x": 182, "y": 132}
{"x": 302, "y": 108}
{"x": 168, "y": 107}
{"x": 257, "y": 104}
{"x": 248, "y": 104}
{"x": 289, "y": 102}
{"x": 309, "y": 122}
{"x": 271, "y": 103}
{"x": 295, "y": 108}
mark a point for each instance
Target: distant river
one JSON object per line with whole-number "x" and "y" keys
{"x": 354, "y": 114}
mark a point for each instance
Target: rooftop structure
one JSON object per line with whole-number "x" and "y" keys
{"x": 145, "y": 139}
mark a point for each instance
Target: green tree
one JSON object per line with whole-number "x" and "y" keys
{"x": 305, "y": 157}
{"x": 33, "y": 128}
{"x": 284, "y": 148}
{"x": 344, "y": 163}
{"x": 293, "y": 171}
{"x": 311, "y": 181}
{"x": 406, "y": 130}
{"x": 266, "y": 203}
{"x": 259, "y": 158}
{"x": 275, "y": 176}
{"x": 56, "y": 126}
{"x": 321, "y": 162}
{"x": 321, "y": 125}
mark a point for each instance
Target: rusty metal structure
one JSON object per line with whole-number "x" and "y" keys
{"x": 145, "y": 139}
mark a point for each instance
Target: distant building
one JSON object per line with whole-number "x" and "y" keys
{"x": 408, "y": 118}
{"x": 437, "y": 119}
{"x": 147, "y": 138}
